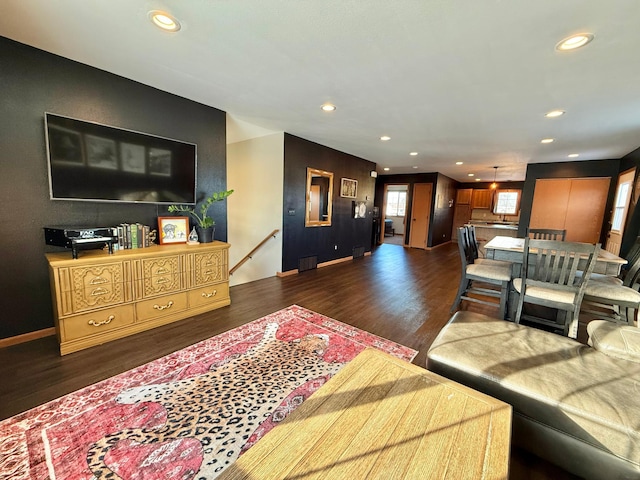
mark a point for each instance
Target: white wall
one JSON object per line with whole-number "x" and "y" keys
{"x": 255, "y": 169}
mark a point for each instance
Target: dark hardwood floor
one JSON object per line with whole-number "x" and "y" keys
{"x": 398, "y": 293}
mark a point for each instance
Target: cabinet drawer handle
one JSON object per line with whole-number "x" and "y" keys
{"x": 209, "y": 272}
{"x": 163, "y": 307}
{"x": 162, "y": 271}
{"x": 104, "y": 322}
{"x": 163, "y": 280}
{"x": 209, "y": 295}
{"x": 98, "y": 281}
{"x": 99, "y": 291}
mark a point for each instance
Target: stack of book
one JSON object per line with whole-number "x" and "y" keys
{"x": 134, "y": 235}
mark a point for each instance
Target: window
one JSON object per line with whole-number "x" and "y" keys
{"x": 620, "y": 206}
{"x": 507, "y": 202}
{"x": 396, "y": 203}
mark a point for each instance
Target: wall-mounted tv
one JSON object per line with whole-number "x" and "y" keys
{"x": 94, "y": 162}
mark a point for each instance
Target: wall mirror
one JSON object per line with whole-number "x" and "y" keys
{"x": 319, "y": 198}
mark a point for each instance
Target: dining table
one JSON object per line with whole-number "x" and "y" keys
{"x": 511, "y": 249}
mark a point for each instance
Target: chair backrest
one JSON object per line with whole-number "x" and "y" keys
{"x": 546, "y": 234}
{"x": 464, "y": 247}
{"x": 632, "y": 256}
{"x": 554, "y": 264}
{"x": 631, "y": 275}
{"x": 473, "y": 241}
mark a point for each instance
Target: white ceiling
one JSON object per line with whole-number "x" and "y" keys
{"x": 455, "y": 80}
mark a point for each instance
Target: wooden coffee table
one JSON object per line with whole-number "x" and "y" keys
{"x": 384, "y": 418}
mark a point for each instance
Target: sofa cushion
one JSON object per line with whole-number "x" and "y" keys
{"x": 554, "y": 380}
{"x": 620, "y": 341}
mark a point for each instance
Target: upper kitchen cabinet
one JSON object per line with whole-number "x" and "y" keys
{"x": 481, "y": 198}
{"x": 463, "y": 196}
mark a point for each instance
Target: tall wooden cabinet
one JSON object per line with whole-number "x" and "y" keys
{"x": 574, "y": 204}
{"x": 100, "y": 297}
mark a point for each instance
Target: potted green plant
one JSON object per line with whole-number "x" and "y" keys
{"x": 205, "y": 224}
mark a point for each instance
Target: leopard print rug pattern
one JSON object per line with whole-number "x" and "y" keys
{"x": 212, "y": 415}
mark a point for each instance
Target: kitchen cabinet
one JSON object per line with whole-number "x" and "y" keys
{"x": 481, "y": 198}
{"x": 463, "y": 196}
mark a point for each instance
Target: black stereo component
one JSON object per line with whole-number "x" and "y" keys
{"x": 77, "y": 238}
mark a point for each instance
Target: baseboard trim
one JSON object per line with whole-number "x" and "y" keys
{"x": 320, "y": 265}
{"x": 441, "y": 245}
{"x": 288, "y": 273}
{"x": 27, "y": 337}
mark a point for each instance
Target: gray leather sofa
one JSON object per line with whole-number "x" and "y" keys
{"x": 573, "y": 405}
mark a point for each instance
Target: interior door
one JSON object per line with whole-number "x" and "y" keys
{"x": 420, "y": 213}
{"x": 620, "y": 209}
{"x": 574, "y": 204}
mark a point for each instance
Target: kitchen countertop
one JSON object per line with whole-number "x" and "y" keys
{"x": 499, "y": 226}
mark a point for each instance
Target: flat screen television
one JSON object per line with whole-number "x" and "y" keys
{"x": 94, "y": 162}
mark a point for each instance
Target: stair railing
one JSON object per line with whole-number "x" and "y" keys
{"x": 252, "y": 252}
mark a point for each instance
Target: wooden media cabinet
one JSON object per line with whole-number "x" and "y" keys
{"x": 100, "y": 297}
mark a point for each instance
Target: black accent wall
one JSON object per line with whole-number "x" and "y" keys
{"x": 32, "y": 82}
{"x": 345, "y": 232}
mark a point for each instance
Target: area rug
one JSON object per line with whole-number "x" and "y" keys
{"x": 188, "y": 415}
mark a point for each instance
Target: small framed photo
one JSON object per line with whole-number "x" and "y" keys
{"x": 359, "y": 209}
{"x": 173, "y": 230}
{"x": 348, "y": 188}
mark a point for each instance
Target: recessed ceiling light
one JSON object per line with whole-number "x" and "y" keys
{"x": 413, "y": 154}
{"x": 554, "y": 113}
{"x": 470, "y": 174}
{"x": 386, "y": 169}
{"x": 415, "y": 166}
{"x": 546, "y": 140}
{"x": 574, "y": 41}
{"x": 164, "y": 21}
{"x": 328, "y": 107}
{"x": 459, "y": 163}
{"x": 385, "y": 138}
{"x": 478, "y": 179}
{"x": 573, "y": 155}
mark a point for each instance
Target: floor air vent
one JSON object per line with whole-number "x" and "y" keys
{"x": 307, "y": 263}
{"x": 358, "y": 252}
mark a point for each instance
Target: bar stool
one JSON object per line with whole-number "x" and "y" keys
{"x": 495, "y": 275}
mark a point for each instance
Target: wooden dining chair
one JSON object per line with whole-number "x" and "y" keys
{"x": 632, "y": 256}
{"x": 546, "y": 234}
{"x": 495, "y": 278}
{"x": 619, "y": 303}
{"x": 475, "y": 247}
{"x": 550, "y": 278}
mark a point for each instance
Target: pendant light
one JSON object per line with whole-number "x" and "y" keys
{"x": 494, "y": 185}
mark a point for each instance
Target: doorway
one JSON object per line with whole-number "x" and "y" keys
{"x": 394, "y": 214}
{"x": 420, "y": 215}
{"x": 620, "y": 211}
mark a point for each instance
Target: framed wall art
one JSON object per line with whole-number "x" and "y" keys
{"x": 173, "y": 230}
{"x": 348, "y": 188}
{"x": 359, "y": 209}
